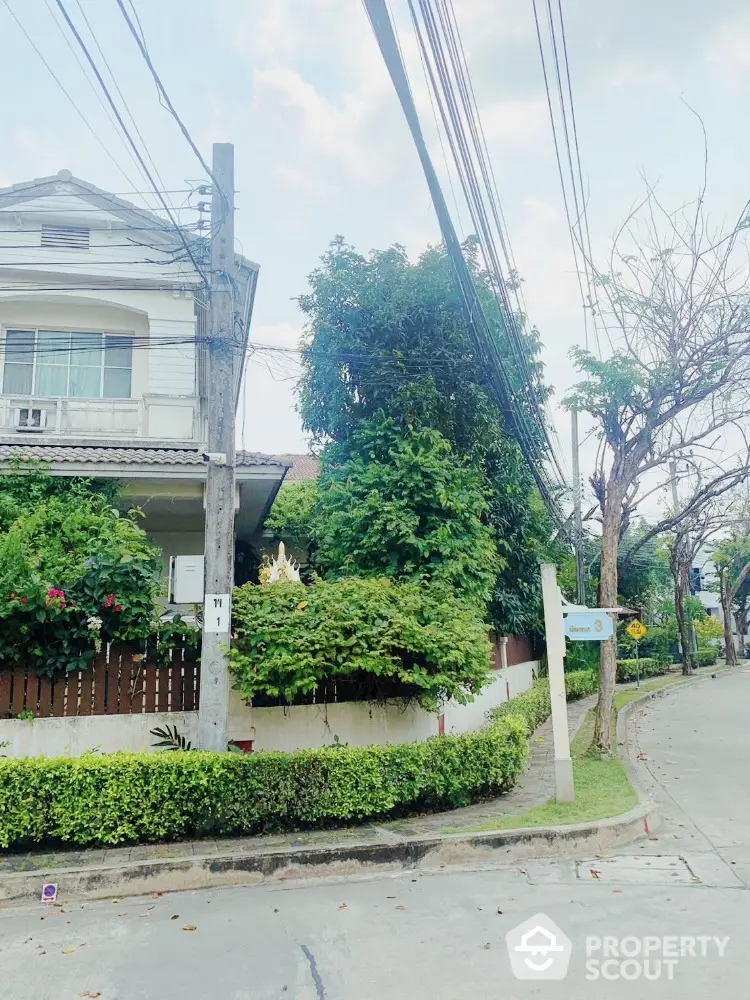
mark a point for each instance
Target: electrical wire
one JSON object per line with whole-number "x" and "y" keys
{"x": 448, "y": 78}
{"x": 483, "y": 340}
{"x": 62, "y": 87}
{"x": 129, "y": 137}
{"x": 139, "y": 38}
{"x": 578, "y": 226}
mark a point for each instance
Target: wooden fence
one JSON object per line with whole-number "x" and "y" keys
{"x": 121, "y": 681}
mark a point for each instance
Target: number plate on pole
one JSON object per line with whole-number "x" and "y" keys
{"x": 216, "y": 615}
{"x": 590, "y": 626}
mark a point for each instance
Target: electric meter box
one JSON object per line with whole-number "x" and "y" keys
{"x": 186, "y": 579}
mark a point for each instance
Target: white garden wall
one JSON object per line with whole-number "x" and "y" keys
{"x": 507, "y": 684}
{"x": 354, "y": 723}
{"x": 70, "y": 737}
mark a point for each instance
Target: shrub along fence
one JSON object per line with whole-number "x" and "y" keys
{"x": 121, "y": 681}
{"x": 126, "y": 797}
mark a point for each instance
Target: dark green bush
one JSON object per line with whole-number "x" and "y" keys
{"x": 708, "y": 657}
{"x": 629, "y": 670}
{"x": 393, "y": 639}
{"x": 115, "y": 798}
{"x": 125, "y": 797}
{"x": 533, "y": 706}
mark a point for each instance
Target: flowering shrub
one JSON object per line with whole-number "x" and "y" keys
{"x": 74, "y": 573}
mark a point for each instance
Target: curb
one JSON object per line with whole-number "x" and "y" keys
{"x": 424, "y": 852}
{"x": 243, "y": 868}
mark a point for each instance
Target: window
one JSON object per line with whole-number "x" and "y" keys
{"x": 696, "y": 583}
{"x": 60, "y": 363}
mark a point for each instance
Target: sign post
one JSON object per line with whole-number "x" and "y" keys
{"x": 553, "y": 626}
{"x": 636, "y": 630}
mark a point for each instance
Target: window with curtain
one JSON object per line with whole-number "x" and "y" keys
{"x": 63, "y": 363}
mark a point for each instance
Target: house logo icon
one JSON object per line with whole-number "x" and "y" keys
{"x": 538, "y": 949}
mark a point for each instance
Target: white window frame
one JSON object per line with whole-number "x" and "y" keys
{"x": 69, "y": 333}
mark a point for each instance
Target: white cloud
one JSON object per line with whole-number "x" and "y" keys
{"x": 634, "y": 73}
{"x": 515, "y": 121}
{"x": 729, "y": 51}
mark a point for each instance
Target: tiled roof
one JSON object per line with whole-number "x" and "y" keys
{"x": 302, "y": 467}
{"x": 124, "y": 455}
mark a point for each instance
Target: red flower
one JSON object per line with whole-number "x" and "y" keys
{"x": 24, "y": 600}
{"x": 110, "y": 601}
{"x": 118, "y": 607}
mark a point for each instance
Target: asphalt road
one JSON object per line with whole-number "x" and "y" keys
{"x": 441, "y": 935}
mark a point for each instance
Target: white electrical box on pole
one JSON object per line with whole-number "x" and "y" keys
{"x": 220, "y": 455}
{"x": 553, "y": 626}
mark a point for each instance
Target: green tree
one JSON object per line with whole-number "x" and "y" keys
{"x": 389, "y": 336}
{"x": 676, "y": 297}
{"x": 394, "y": 501}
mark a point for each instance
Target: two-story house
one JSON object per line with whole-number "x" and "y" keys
{"x": 102, "y": 354}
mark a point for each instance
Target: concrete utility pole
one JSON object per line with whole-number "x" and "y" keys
{"x": 553, "y": 626}
{"x": 580, "y": 568}
{"x": 219, "y": 498}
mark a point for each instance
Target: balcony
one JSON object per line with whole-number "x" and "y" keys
{"x": 163, "y": 418}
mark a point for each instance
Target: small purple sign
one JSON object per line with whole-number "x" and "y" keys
{"x": 49, "y": 892}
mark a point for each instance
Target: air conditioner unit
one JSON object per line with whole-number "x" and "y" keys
{"x": 30, "y": 418}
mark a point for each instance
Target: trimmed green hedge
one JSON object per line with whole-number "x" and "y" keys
{"x": 708, "y": 657}
{"x": 125, "y": 797}
{"x": 629, "y": 670}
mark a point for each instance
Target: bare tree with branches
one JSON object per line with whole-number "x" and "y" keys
{"x": 677, "y": 385}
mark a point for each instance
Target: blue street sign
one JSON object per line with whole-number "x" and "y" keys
{"x": 592, "y": 626}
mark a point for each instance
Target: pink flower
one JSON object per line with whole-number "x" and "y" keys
{"x": 118, "y": 607}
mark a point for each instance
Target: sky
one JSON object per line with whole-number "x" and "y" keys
{"x": 322, "y": 148}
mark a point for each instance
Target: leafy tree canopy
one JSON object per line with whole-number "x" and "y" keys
{"x": 395, "y": 501}
{"x": 387, "y": 336}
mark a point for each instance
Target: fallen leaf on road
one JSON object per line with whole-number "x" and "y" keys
{"x": 122, "y": 914}
{"x": 387, "y": 897}
{"x": 156, "y": 895}
{"x": 190, "y": 927}
{"x": 68, "y": 951}
{"x": 90, "y": 995}
{"x": 540, "y": 739}
{"x": 499, "y": 910}
{"x": 617, "y": 890}
{"x": 175, "y": 916}
{"x": 400, "y": 907}
{"x": 115, "y": 900}
{"x": 595, "y": 873}
{"x": 343, "y": 906}
{"x": 487, "y": 945}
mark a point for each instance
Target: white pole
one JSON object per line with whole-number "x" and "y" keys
{"x": 553, "y": 626}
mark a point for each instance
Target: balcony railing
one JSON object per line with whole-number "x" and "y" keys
{"x": 160, "y": 418}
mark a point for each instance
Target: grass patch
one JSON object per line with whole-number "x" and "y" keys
{"x": 622, "y": 698}
{"x": 602, "y": 790}
{"x": 602, "y": 786}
